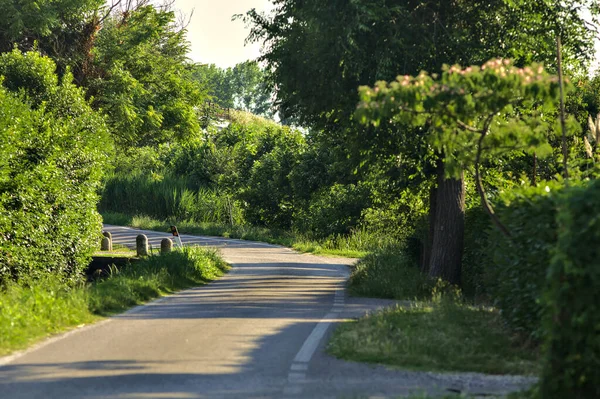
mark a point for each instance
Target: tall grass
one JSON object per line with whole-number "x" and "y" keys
{"x": 390, "y": 273}
{"x": 29, "y": 312}
{"x": 169, "y": 197}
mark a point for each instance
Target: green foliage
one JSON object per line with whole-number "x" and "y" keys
{"x": 243, "y": 87}
{"x": 33, "y": 310}
{"x": 24, "y": 22}
{"x": 571, "y": 302}
{"x": 515, "y": 274}
{"x": 335, "y": 210}
{"x": 169, "y": 197}
{"x": 389, "y": 273}
{"x": 145, "y": 85}
{"x": 53, "y": 151}
{"x": 470, "y": 113}
{"x": 319, "y": 52}
{"x": 475, "y": 255}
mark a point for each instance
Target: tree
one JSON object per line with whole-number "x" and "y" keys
{"x": 242, "y": 87}
{"x": 144, "y": 82}
{"x": 472, "y": 114}
{"x": 318, "y": 53}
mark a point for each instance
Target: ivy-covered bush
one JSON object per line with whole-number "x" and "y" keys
{"x": 53, "y": 151}
{"x": 516, "y": 274}
{"x": 572, "y": 300}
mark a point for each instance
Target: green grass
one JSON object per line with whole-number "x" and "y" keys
{"x": 355, "y": 245}
{"x": 389, "y": 273}
{"x": 442, "y": 335}
{"x": 34, "y": 310}
{"x": 438, "y": 332}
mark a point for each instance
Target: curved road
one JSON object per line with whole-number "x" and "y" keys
{"x": 258, "y": 332}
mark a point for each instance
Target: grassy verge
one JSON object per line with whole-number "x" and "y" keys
{"x": 439, "y": 332}
{"x": 389, "y": 274}
{"x": 444, "y": 336}
{"x": 34, "y": 310}
{"x": 356, "y": 245}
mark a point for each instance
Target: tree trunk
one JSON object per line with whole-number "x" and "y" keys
{"x": 428, "y": 244}
{"x": 449, "y": 228}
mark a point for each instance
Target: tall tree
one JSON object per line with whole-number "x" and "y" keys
{"x": 143, "y": 78}
{"x": 242, "y": 87}
{"x": 319, "y": 52}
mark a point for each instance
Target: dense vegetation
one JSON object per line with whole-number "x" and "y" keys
{"x": 474, "y": 166}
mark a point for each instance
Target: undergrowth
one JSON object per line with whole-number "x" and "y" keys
{"x": 389, "y": 273}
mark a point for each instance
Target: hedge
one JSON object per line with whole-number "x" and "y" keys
{"x": 53, "y": 149}
{"x": 572, "y": 300}
{"x": 516, "y": 269}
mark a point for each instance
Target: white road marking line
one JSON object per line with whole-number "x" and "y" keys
{"x": 312, "y": 342}
{"x": 299, "y": 367}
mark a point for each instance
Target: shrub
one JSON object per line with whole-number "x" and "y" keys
{"x": 335, "y": 210}
{"x": 53, "y": 150}
{"x": 389, "y": 273}
{"x": 572, "y": 300}
{"x": 516, "y": 273}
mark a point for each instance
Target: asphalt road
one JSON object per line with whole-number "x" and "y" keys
{"x": 258, "y": 332}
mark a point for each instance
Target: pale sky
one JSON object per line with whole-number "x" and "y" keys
{"x": 215, "y": 38}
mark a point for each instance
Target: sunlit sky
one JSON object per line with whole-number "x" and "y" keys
{"x": 216, "y": 39}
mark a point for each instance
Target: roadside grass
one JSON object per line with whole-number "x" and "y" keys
{"x": 439, "y": 331}
{"x": 440, "y": 335}
{"x": 389, "y": 273}
{"x": 117, "y": 251}
{"x": 32, "y": 310}
{"x": 356, "y": 245}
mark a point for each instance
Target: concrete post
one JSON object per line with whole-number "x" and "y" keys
{"x": 106, "y": 241}
{"x": 166, "y": 245}
{"x": 105, "y": 244}
{"x": 141, "y": 245}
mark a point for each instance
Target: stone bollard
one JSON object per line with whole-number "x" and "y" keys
{"x": 166, "y": 245}
{"x": 105, "y": 244}
{"x": 106, "y": 241}
{"x": 141, "y": 245}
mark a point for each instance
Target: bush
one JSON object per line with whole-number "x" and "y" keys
{"x": 335, "y": 210}
{"x": 389, "y": 273}
{"x": 572, "y": 300}
{"x": 516, "y": 274}
{"x": 53, "y": 151}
